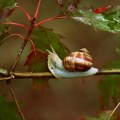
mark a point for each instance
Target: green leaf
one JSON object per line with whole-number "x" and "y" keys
{"x": 8, "y": 110}
{"x": 6, "y": 3}
{"x": 43, "y": 38}
{"x": 107, "y": 21}
{"x": 3, "y": 33}
{"x": 109, "y": 86}
{"x": 6, "y": 8}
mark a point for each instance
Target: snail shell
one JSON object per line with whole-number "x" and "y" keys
{"x": 80, "y": 60}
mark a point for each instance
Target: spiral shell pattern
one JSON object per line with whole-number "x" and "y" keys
{"x": 80, "y": 60}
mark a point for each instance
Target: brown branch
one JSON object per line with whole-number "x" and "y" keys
{"x": 8, "y": 82}
{"x": 6, "y": 78}
{"x": 26, "y": 39}
{"x": 5, "y": 75}
{"x": 8, "y": 75}
{"x": 15, "y": 100}
{"x": 110, "y": 71}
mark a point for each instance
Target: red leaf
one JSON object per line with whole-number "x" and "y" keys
{"x": 34, "y": 57}
{"x": 38, "y": 63}
{"x": 101, "y": 9}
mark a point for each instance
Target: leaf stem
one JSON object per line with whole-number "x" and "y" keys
{"x": 26, "y": 13}
{"x": 37, "y": 9}
{"x": 15, "y": 23}
{"x": 49, "y": 19}
{"x": 19, "y": 35}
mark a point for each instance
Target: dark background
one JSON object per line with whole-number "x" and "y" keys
{"x": 65, "y": 99}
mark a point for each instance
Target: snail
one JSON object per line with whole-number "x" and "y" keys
{"x": 63, "y": 69}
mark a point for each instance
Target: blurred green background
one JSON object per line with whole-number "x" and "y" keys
{"x": 64, "y": 99}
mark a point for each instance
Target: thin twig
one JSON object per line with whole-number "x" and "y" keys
{"x": 16, "y": 101}
{"x": 26, "y": 39}
{"x": 19, "y": 35}
{"x": 15, "y": 23}
{"x": 37, "y": 9}
{"x": 32, "y": 74}
{"x": 114, "y": 111}
{"x": 50, "y": 19}
{"x": 109, "y": 71}
{"x": 23, "y": 46}
{"x": 8, "y": 82}
{"x": 6, "y": 78}
{"x": 26, "y": 13}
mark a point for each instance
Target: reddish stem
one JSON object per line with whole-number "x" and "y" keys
{"x": 26, "y": 13}
{"x": 15, "y": 34}
{"x": 49, "y": 19}
{"x": 19, "y": 35}
{"x": 27, "y": 37}
{"x": 17, "y": 24}
{"x": 33, "y": 46}
{"x": 37, "y": 9}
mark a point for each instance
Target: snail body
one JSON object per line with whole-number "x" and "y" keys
{"x": 57, "y": 68}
